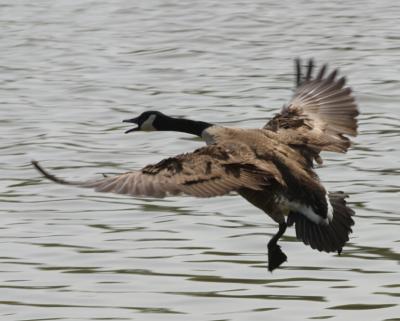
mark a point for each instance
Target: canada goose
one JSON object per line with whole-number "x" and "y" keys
{"x": 271, "y": 167}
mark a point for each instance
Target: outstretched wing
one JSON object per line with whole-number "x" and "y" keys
{"x": 321, "y": 111}
{"x": 209, "y": 171}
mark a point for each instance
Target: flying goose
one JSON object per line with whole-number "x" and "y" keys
{"x": 272, "y": 167}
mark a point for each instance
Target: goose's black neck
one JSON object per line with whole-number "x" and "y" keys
{"x": 182, "y": 125}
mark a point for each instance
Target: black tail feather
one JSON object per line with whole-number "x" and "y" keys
{"x": 327, "y": 238}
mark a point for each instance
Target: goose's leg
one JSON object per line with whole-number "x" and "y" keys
{"x": 275, "y": 255}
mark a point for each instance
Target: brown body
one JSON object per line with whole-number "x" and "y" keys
{"x": 286, "y": 171}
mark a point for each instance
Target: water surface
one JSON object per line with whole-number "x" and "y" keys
{"x": 70, "y": 71}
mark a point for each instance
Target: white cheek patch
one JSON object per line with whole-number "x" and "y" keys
{"x": 147, "y": 125}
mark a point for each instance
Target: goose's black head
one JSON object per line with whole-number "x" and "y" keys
{"x": 154, "y": 120}
{"x": 147, "y": 121}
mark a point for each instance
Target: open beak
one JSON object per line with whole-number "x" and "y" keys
{"x": 134, "y": 121}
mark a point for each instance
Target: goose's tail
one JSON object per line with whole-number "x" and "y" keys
{"x": 328, "y": 238}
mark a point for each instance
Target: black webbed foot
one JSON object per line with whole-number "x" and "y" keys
{"x": 275, "y": 256}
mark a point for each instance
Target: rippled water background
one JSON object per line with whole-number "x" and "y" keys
{"x": 70, "y": 71}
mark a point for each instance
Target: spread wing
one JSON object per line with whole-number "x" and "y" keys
{"x": 321, "y": 111}
{"x": 209, "y": 171}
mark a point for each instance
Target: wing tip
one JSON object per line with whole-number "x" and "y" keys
{"x": 300, "y": 78}
{"x": 48, "y": 175}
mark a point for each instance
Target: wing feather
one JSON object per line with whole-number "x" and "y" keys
{"x": 209, "y": 171}
{"x": 321, "y": 111}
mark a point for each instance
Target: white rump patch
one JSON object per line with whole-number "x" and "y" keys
{"x": 147, "y": 125}
{"x": 330, "y": 208}
{"x": 308, "y": 212}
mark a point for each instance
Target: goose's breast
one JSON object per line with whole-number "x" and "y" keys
{"x": 214, "y": 133}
